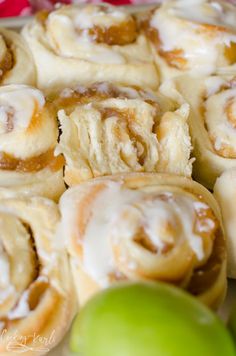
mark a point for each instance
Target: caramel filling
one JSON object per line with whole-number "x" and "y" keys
{"x": 174, "y": 58}
{"x": 230, "y": 109}
{"x": 42, "y": 16}
{"x": 205, "y": 276}
{"x": 30, "y": 165}
{"x": 7, "y": 62}
{"x": 120, "y": 35}
{"x": 203, "y": 216}
{"x": 230, "y": 53}
{"x": 96, "y": 92}
{"x": 36, "y": 292}
{"x": 128, "y": 118}
{"x": 201, "y": 274}
{"x": 224, "y": 150}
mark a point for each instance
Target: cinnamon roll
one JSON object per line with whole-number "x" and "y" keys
{"x": 86, "y": 44}
{"x": 212, "y": 123}
{"x": 225, "y": 194}
{"x": 37, "y": 299}
{"x": 144, "y": 226}
{"x": 16, "y": 62}
{"x": 28, "y": 136}
{"x": 108, "y": 129}
{"x": 197, "y": 36}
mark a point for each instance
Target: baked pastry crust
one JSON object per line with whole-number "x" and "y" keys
{"x": 212, "y": 123}
{"x": 28, "y": 136}
{"x": 144, "y": 226}
{"x": 197, "y": 37}
{"x": 82, "y": 45}
{"x": 16, "y": 62}
{"x": 37, "y": 301}
{"x": 225, "y": 194}
{"x": 109, "y": 129}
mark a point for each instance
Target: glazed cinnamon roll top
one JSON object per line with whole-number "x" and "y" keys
{"x": 219, "y": 114}
{"x": 196, "y": 35}
{"x": 36, "y": 294}
{"x": 137, "y": 227}
{"x": 6, "y": 57}
{"x": 16, "y": 61}
{"x": 28, "y": 131}
{"x": 118, "y": 129}
{"x": 87, "y": 33}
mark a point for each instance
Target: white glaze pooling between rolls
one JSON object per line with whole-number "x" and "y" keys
{"x": 117, "y": 216}
{"x": 179, "y": 27}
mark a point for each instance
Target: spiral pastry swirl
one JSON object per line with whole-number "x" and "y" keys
{"x": 28, "y": 136}
{"x": 212, "y": 123}
{"x": 197, "y": 36}
{"x": 144, "y": 226}
{"x": 16, "y": 61}
{"x": 108, "y": 129}
{"x": 37, "y": 299}
{"x": 93, "y": 43}
{"x": 225, "y": 192}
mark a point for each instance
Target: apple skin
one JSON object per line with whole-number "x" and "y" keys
{"x": 232, "y": 323}
{"x": 148, "y": 319}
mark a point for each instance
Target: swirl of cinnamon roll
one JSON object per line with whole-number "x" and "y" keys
{"x": 16, "y": 62}
{"x": 197, "y": 36}
{"x": 225, "y": 193}
{"x": 28, "y": 137}
{"x": 108, "y": 129}
{"x": 212, "y": 124}
{"x": 93, "y": 43}
{"x": 37, "y": 298}
{"x": 144, "y": 226}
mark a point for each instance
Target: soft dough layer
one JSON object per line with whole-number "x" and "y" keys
{"x": 145, "y": 226}
{"x": 37, "y": 298}
{"x": 225, "y": 194}
{"x": 108, "y": 129}
{"x": 28, "y": 136}
{"x": 16, "y": 62}
{"x": 212, "y": 123}
{"x": 197, "y": 36}
{"x": 95, "y": 43}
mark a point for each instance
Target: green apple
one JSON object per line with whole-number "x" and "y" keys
{"x": 148, "y": 319}
{"x": 232, "y": 323}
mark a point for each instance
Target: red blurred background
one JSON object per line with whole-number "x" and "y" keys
{"x": 28, "y": 7}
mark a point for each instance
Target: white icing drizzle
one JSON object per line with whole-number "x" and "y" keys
{"x": 218, "y": 124}
{"x": 22, "y": 309}
{"x": 20, "y": 102}
{"x": 118, "y": 214}
{"x": 4, "y": 268}
{"x": 213, "y": 84}
{"x": 207, "y": 12}
{"x": 100, "y": 16}
{"x": 178, "y": 25}
{"x": 67, "y": 41}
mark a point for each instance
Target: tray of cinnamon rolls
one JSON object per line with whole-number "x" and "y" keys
{"x": 117, "y": 160}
